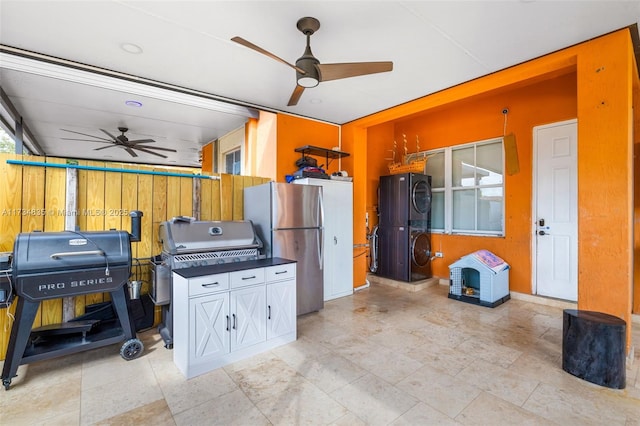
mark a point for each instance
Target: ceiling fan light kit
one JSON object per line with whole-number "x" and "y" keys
{"x": 309, "y": 71}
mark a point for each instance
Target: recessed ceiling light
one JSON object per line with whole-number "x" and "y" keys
{"x": 315, "y": 101}
{"x": 135, "y": 104}
{"x": 131, "y": 48}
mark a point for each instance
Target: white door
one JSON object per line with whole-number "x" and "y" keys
{"x": 248, "y": 323}
{"x": 209, "y": 333}
{"x": 556, "y": 210}
{"x": 338, "y": 273}
{"x": 281, "y": 308}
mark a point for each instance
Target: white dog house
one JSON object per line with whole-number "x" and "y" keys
{"x": 481, "y": 278}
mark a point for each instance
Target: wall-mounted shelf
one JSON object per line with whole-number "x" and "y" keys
{"x": 321, "y": 152}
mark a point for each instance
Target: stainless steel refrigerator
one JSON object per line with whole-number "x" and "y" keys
{"x": 289, "y": 218}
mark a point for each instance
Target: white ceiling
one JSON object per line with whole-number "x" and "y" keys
{"x": 433, "y": 45}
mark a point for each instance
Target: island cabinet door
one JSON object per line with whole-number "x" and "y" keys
{"x": 210, "y": 327}
{"x": 248, "y": 319}
{"x": 281, "y": 308}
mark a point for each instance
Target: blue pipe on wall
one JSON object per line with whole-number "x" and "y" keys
{"x": 109, "y": 169}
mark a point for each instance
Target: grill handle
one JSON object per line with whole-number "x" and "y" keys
{"x": 77, "y": 253}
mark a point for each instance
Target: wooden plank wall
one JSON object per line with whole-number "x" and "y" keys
{"x": 33, "y": 198}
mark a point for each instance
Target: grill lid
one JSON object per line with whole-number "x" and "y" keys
{"x": 186, "y": 235}
{"x": 68, "y": 250}
{"x": 50, "y": 265}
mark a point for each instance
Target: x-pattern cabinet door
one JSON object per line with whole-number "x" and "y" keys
{"x": 248, "y": 317}
{"x": 281, "y": 308}
{"x": 210, "y": 330}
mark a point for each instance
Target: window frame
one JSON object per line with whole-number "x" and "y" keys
{"x": 449, "y": 189}
{"x": 233, "y": 152}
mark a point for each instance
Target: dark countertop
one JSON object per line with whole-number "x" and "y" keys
{"x": 199, "y": 271}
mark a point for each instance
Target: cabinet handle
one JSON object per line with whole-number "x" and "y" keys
{"x": 269, "y": 316}
{"x": 234, "y": 321}
{"x": 249, "y": 278}
{"x": 216, "y": 284}
{"x": 228, "y": 322}
{"x": 281, "y": 272}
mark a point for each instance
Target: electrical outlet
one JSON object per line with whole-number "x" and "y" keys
{"x": 439, "y": 254}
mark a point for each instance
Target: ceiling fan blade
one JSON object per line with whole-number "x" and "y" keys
{"x": 295, "y": 96}
{"x": 156, "y": 147}
{"x": 141, "y": 141}
{"x": 85, "y": 140}
{"x": 131, "y": 152}
{"x": 84, "y": 134}
{"x": 250, "y": 45}
{"x": 351, "y": 69}
{"x": 110, "y": 135}
{"x": 105, "y": 147}
{"x": 148, "y": 151}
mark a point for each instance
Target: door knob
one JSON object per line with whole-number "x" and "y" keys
{"x": 542, "y": 233}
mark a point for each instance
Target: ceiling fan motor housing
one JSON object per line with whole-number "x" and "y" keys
{"x": 122, "y": 138}
{"x": 308, "y": 63}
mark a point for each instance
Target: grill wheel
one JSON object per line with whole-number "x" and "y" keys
{"x": 131, "y": 349}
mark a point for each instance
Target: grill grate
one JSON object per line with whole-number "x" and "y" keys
{"x": 209, "y": 258}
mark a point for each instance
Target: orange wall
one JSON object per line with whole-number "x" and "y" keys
{"x": 605, "y": 175}
{"x": 636, "y": 229}
{"x": 605, "y": 77}
{"x": 636, "y": 194}
{"x": 207, "y": 158}
{"x": 294, "y": 132}
{"x": 476, "y": 119}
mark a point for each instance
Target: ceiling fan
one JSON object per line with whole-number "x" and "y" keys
{"x": 131, "y": 146}
{"x": 309, "y": 71}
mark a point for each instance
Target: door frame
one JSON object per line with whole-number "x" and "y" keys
{"x": 534, "y": 197}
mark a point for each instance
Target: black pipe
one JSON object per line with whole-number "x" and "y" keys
{"x": 136, "y": 226}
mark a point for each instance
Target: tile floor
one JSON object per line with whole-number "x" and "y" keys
{"x": 382, "y": 356}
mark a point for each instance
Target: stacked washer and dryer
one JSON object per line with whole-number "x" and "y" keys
{"x": 404, "y": 237}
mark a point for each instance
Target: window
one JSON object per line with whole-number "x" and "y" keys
{"x": 468, "y": 188}
{"x": 232, "y": 162}
{"x": 7, "y": 143}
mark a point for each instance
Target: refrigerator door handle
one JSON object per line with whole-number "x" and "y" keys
{"x": 321, "y": 209}
{"x": 321, "y": 232}
{"x": 321, "y": 247}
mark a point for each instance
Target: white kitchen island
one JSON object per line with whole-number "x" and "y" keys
{"x": 228, "y": 312}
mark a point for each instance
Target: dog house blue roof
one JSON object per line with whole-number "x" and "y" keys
{"x": 481, "y": 260}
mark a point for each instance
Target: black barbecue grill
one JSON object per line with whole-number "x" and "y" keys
{"x": 188, "y": 243}
{"x": 52, "y": 265}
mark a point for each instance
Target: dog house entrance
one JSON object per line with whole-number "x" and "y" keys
{"x": 469, "y": 282}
